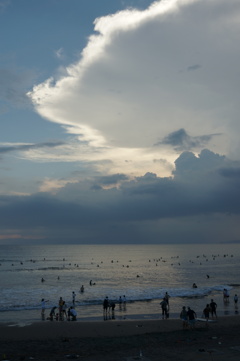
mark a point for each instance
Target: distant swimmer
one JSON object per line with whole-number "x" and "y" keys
{"x": 194, "y": 285}
{"x": 207, "y": 276}
{"x": 42, "y": 280}
{"x": 82, "y": 289}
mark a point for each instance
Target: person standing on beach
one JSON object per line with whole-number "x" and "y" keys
{"x": 112, "y": 304}
{"x": 213, "y": 307}
{"x": 60, "y": 306}
{"x": 191, "y": 317}
{"x": 105, "y": 306}
{"x": 167, "y": 298}
{"x": 43, "y": 306}
{"x": 120, "y": 302}
{"x": 235, "y": 299}
{"x": 164, "y": 307}
{"x": 184, "y": 318}
{"x": 73, "y": 298}
{"x": 225, "y": 295}
{"x": 206, "y": 313}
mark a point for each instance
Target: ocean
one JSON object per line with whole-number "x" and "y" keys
{"x": 143, "y": 273}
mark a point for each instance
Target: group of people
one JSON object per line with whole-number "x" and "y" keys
{"x": 62, "y": 311}
{"x": 110, "y": 305}
{"x": 189, "y": 316}
{"x": 122, "y": 301}
{"x": 226, "y": 298}
{"x": 210, "y": 310}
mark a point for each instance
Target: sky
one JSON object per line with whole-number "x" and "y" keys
{"x": 119, "y": 121}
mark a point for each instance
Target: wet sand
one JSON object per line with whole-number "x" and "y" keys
{"x": 112, "y": 340}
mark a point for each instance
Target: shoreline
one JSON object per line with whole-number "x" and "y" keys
{"x": 150, "y": 310}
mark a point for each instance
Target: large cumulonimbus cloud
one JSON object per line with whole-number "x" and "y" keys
{"x": 146, "y": 74}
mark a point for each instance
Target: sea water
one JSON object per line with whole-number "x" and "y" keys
{"x": 143, "y": 273}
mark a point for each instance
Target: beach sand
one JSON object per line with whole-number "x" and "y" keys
{"x": 111, "y": 340}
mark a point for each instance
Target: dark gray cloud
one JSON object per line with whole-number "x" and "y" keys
{"x": 199, "y": 189}
{"x": 26, "y": 147}
{"x": 109, "y": 181}
{"x": 231, "y": 172}
{"x": 180, "y": 140}
{"x": 194, "y": 67}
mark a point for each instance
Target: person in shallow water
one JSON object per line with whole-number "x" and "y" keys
{"x": 105, "y": 305}
{"x": 164, "y": 307}
{"x": 213, "y": 307}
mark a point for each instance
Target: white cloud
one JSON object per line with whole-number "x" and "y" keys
{"x": 132, "y": 86}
